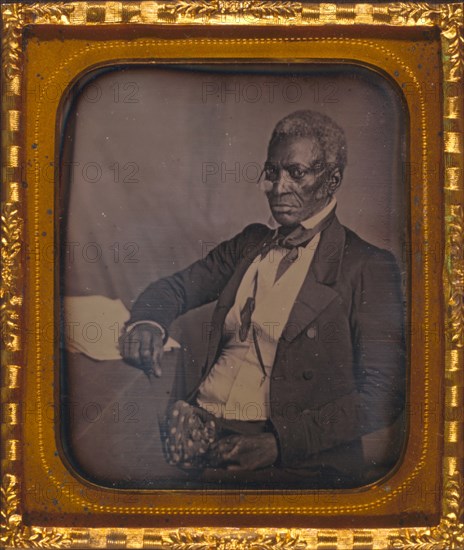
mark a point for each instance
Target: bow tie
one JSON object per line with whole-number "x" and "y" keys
{"x": 296, "y": 235}
{"x": 293, "y": 236}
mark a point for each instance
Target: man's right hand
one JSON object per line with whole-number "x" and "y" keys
{"x": 142, "y": 347}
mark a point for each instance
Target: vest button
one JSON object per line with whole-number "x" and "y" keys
{"x": 308, "y": 374}
{"x": 311, "y": 333}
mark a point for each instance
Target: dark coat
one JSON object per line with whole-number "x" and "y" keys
{"x": 339, "y": 370}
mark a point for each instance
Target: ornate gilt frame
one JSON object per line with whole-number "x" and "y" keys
{"x": 448, "y": 19}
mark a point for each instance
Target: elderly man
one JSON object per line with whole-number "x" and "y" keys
{"x": 306, "y": 348}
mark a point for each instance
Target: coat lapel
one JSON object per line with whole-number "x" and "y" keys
{"x": 316, "y": 293}
{"x": 227, "y": 297}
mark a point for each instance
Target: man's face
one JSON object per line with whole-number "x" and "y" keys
{"x": 299, "y": 182}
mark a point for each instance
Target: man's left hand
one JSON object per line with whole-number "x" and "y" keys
{"x": 248, "y": 452}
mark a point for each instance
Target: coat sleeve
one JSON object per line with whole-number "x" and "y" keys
{"x": 200, "y": 283}
{"x": 377, "y": 329}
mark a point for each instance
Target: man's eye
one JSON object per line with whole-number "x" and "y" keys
{"x": 271, "y": 172}
{"x": 296, "y": 172}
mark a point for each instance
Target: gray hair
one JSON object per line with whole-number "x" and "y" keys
{"x": 311, "y": 124}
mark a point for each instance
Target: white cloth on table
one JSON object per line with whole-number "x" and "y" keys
{"x": 92, "y": 326}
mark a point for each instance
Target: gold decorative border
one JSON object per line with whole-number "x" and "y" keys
{"x": 65, "y": 66}
{"x": 449, "y": 19}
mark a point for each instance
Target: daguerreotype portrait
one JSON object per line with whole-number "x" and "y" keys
{"x": 231, "y": 282}
{"x": 242, "y": 177}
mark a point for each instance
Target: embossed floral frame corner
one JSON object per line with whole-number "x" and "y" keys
{"x": 449, "y": 20}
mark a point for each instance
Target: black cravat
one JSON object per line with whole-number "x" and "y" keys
{"x": 294, "y": 238}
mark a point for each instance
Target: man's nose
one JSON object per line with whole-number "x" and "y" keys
{"x": 280, "y": 184}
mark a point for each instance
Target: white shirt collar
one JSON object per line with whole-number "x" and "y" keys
{"x": 311, "y": 222}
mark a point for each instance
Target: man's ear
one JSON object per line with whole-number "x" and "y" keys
{"x": 334, "y": 181}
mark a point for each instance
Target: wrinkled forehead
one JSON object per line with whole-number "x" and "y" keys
{"x": 301, "y": 149}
